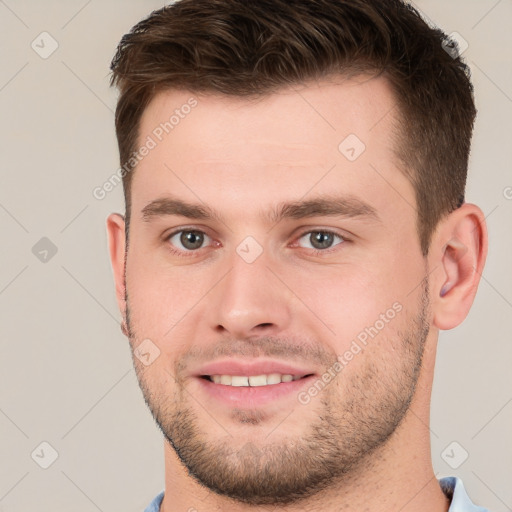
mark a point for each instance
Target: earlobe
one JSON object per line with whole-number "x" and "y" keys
{"x": 117, "y": 245}
{"x": 460, "y": 262}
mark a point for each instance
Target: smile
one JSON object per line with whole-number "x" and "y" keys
{"x": 252, "y": 380}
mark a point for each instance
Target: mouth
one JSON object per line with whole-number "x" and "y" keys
{"x": 261, "y": 380}
{"x": 252, "y": 384}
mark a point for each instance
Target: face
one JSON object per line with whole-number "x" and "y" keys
{"x": 275, "y": 284}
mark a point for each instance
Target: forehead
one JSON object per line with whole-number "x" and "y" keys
{"x": 317, "y": 113}
{"x": 232, "y": 151}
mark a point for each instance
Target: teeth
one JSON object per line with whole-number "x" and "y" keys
{"x": 225, "y": 379}
{"x": 273, "y": 378}
{"x": 258, "y": 380}
{"x": 239, "y": 381}
{"x": 253, "y": 380}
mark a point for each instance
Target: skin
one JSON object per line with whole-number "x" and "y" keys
{"x": 241, "y": 158}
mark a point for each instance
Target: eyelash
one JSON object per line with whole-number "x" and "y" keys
{"x": 314, "y": 252}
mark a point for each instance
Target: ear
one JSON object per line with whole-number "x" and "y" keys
{"x": 459, "y": 249}
{"x": 117, "y": 245}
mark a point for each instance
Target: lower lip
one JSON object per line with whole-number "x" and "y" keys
{"x": 253, "y": 396}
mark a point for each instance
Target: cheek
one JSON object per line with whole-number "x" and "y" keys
{"x": 159, "y": 297}
{"x": 349, "y": 302}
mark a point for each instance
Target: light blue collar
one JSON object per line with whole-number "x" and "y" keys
{"x": 460, "y": 502}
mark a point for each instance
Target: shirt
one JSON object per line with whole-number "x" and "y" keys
{"x": 451, "y": 486}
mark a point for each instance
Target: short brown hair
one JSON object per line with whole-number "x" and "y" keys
{"x": 251, "y": 48}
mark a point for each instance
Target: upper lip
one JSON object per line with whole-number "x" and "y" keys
{"x": 239, "y": 367}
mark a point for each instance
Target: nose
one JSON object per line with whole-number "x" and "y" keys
{"x": 250, "y": 300}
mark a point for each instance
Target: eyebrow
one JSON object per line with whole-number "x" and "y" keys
{"x": 324, "y": 206}
{"x": 335, "y": 206}
{"x": 170, "y": 206}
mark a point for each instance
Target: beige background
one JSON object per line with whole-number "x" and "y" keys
{"x": 65, "y": 369}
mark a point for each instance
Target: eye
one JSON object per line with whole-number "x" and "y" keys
{"x": 188, "y": 239}
{"x": 319, "y": 240}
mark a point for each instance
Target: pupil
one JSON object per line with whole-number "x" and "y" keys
{"x": 191, "y": 239}
{"x": 321, "y": 240}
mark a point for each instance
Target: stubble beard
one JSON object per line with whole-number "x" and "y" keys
{"x": 343, "y": 439}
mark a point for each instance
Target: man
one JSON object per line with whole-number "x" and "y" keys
{"x": 295, "y": 237}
